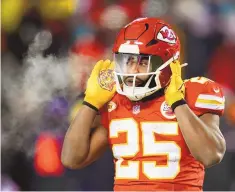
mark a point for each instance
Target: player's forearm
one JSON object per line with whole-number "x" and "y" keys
{"x": 206, "y": 146}
{"x": 98, "y": 145}
{"x": 77, "y": 139}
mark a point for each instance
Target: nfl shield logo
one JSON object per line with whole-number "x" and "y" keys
{"x": 136, "y": 109}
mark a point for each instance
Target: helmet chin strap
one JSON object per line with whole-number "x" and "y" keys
{"x": 138, "y": 93}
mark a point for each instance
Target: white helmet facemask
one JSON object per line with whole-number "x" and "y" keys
{"x": 137, "y": 76}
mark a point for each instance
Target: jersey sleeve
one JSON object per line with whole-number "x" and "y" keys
{"x": 103, "y": 112}
{"x": 205, "y": 97}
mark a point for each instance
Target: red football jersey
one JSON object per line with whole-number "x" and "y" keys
{"x": 148, "y": 148}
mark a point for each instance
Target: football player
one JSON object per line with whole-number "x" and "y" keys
{"x": 163, "y": 131}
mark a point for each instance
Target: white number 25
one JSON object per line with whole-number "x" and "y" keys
{"x": 149, "y": 147}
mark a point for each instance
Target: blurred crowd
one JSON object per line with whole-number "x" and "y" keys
{"x": 48, "y": 49}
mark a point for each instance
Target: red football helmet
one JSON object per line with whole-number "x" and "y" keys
{"x": 142, "y": 53}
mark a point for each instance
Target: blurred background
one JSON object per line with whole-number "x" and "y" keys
{"x": 48, "y": 48}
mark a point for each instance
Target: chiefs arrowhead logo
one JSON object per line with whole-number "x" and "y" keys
{"x": 167, "y": 111}
{"x": 166, "y": 35}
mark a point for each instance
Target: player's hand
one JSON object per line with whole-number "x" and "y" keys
{"x": 100, "y": 85}
{"x": 174, "y": 93}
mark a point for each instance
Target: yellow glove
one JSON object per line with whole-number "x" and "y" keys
{"x": 100, "y": 85}
{"x": 174, "y": 93}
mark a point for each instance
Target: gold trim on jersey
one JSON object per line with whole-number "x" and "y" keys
{"x": 210, "y": 102}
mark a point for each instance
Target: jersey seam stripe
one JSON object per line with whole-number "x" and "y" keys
{"x": 209, "y": 106}
{"x": 211, "y": 97}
